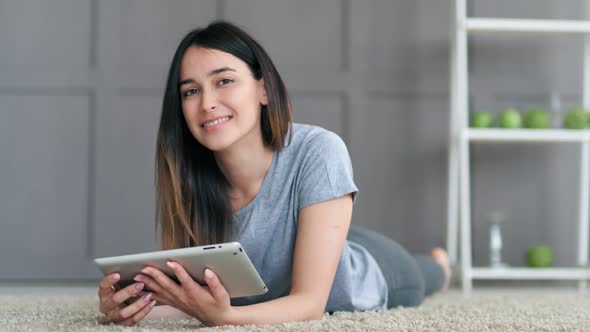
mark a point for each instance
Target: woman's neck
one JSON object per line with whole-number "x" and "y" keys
{"x": 245, "y": 169}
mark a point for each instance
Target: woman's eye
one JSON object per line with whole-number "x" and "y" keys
{"x": 190, "y": 92}
{"x": 225, "y": 81}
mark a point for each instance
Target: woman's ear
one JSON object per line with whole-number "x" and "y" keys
{"x": 262, "y": 92}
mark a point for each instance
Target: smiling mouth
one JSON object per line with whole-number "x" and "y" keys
{"x": 213, "y": 123}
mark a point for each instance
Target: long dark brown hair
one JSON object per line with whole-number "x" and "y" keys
{"x": 192, "y": 202}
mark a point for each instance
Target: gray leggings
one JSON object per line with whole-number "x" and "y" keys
{"x": 409, "y": 278}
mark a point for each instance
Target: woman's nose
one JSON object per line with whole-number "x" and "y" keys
{"x": 208, "y": 101}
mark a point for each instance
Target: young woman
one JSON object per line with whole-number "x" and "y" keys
{"x": 231, "y": 165}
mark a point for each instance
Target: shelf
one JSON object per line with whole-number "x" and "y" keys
{"x": 460, "y": 205}
{"x": 527, "y": 135}
{"x": 520, "y": 25}
{"x": 523, "y": 273}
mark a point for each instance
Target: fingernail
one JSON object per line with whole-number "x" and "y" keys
{"x": 137, "y": 278}
{"x": 170, "y": 264}
{"x": 208, "y": 274}
{"x": 153, "y": 303}
{"x": 139, "y": 286}
{"x": 146, "y": 271}
{"x": 116, "y": 276}
{"x": 147, "y": 297}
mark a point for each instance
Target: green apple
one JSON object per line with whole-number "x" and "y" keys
{"x": 539, "y": 256}
{"x": 481, "y": 119}
{"x": 576, "y": 118}
{"x": 536, "y": 118}
{"x": 510, "y": 118}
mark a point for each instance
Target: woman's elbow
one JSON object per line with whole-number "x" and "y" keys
{"x": 316, "y": 312}
{"x": 311, "y": 307}
{"x": 316, "y": 315}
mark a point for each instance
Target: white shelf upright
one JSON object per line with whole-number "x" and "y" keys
{"x": 460, "y": 135}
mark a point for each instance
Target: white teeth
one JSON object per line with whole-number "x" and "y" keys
{"x": 213, "y": 123}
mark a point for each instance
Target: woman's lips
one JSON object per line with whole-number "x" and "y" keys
{"x": 216, "y": 122}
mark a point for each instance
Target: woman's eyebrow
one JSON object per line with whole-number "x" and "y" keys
{"x": 211, "y": 73}
{"x": 220, "y": 70}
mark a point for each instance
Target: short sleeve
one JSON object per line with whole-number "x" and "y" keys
{"x": 326, "y": 171}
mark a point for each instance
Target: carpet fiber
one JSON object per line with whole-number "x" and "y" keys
{"x": 493, "y": 311}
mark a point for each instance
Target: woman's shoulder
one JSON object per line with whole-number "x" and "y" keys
{"x": 313, "y": 137}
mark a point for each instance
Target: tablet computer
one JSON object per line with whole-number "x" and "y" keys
{"x": 228, "y": 260}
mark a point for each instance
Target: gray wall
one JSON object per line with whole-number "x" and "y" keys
{"x": 81, "y": 85}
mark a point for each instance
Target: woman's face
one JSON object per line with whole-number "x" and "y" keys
{"x": 220, "y": 98}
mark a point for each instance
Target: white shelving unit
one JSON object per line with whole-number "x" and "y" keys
{"x": 459, "y": 197}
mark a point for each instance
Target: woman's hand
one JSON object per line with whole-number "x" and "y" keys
{"x": 209, "y": 304}
{"x": 112, "y": 302}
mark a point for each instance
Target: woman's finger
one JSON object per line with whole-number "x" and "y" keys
{"x": 130, "y": 310}
{"x": 165, "y": 284}
{"x": 156, "y": 296}
{"x": 139, "y": 315}
{"x": 185, "y": 279}
{"x": 125, "y": 293}
{"x": 149, "y": 283}
{"x": 106, "y": 291}
{"x": 216, "y": 288}
{"x": 105, "y": 286}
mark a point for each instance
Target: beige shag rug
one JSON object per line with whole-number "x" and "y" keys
{"x": 489, "y": 311}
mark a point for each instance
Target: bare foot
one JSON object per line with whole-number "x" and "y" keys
{"x": 440, "y": 256}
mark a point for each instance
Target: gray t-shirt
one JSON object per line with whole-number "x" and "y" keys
{"x": 313, "y": 168}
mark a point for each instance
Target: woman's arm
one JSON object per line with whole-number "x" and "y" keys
{"x": 166, "y": 312}
{"x": 321, "y": 235}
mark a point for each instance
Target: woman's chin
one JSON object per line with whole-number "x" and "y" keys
{"x": 217, "y": 146}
